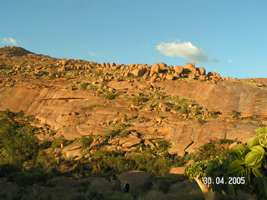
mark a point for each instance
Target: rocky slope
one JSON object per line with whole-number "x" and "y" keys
{"x": 183, "y": 104}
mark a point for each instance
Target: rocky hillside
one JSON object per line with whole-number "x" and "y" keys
{"x": 184, "y": 104}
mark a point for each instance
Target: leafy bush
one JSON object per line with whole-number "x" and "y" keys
{"x": 84, "y": 86}
{"x": 17, "y": 142}
{"x": 155, "y": 161}
{"x": 140, "y": 99}
{"x": 211, "y": 150}
{"x": 57, "y": 142}
{"x": 102, "y": 162}
{"x": 157, "y": 165}
{"x": 244, "y": 160}
{"x": 86, "y": 141}
{"x": 105, "y": 162}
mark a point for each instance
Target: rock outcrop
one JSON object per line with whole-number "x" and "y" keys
{"x": 78, "y": 98}
{"x": 23, "y": 61}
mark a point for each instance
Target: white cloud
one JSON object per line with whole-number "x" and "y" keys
{"x": 185, "y": 50}
{"x": 9, "y": 40}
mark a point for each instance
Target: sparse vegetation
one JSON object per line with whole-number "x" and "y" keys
{"x": 100, "y": 89}
{"x": 185, "y": 108}
{"x": 86, "y": 141}
{"x": 59, "y": 141}
{"x": 211, "y": 150}
{"x": 110, "y": 95}
{"x": 41, "y": 74}
{"x": 156, "y": 162}
{"x": 84, "y": 86}
{"x": 236, "y": 114}
{"x": 140, "y": 99}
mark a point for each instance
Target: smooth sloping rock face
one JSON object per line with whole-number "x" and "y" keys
{"x": 226, "y": 96}
{"x": 76, "y": 113}
{"x": 81, "y": 98}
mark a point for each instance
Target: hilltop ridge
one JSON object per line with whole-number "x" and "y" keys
{"x": 11, "y": 51}
{"x": 37, "y": 63}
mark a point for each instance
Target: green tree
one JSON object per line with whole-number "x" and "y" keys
{"x": 244, "y": 160}
{"x": 17, "y": 142}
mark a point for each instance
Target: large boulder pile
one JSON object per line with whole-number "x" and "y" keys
{"x": 158, "y": 71}
{"x": 161, "y": 71}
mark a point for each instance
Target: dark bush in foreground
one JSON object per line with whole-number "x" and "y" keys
{"x": 17, "y": 142}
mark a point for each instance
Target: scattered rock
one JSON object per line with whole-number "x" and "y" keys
{"x": 163, "y": 107}
{"x": 154, "y": 78}
{"x": 140, "y": 71}
{"x": 129, "y": 141}
{"x": 202, "y": 78}
{"x": 191, "y": 67}
{"x": 72, "y": 151}
{"x": 191, "y": 76}
{"x": 202, "y": 71}
{"x": 177, "y": 170}
{"x": 214, "y": 76}
{"x": 178, "y": 70}
{"x": 155, "y": 69}
{"x": 170, "y": 77}
{"x": 158, "y": 68}
{"x": 163, "y": 66}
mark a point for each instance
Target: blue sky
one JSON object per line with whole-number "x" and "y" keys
{"x": 227, "y": 36}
